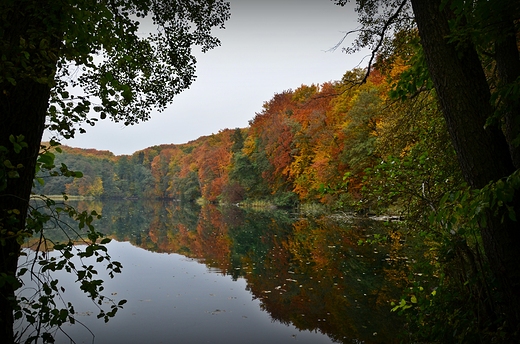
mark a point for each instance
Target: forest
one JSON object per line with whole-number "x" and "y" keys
{"x": 338, "y": 144}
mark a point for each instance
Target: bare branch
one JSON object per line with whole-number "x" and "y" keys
{"x": 334, "y": 48}
{"x": 389, "y": 22}
{"x": 381, "y": 34}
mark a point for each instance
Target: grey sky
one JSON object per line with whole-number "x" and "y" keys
{"x": 267, "y": 47}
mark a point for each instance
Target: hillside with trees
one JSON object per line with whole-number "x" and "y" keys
{"x": 338, "y": 144}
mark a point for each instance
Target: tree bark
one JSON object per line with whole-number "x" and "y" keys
{"x": 508, "y": 67}
{"x": 23, "y": 109}
{"x": 483, "y": 152}
{"x": 25, "y": 117}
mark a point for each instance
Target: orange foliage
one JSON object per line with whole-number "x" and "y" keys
{"x": 213, "y": 158}
{"x": 272, "y": 128}
{"x": 309, "y": 141}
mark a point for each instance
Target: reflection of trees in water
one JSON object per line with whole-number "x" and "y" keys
{"x": 319, "y": 278}
{"x": 311, "y": 273}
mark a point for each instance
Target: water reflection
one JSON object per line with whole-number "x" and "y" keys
{"x": 309, "y": 274}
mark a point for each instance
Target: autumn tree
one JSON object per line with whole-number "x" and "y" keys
{"x": 470, "y": 52}
{"x": 245, "y": 175}
{"x": 51, "y": 47}
{"x": 309, "y": 127}
{"x": 239, "y": 170}
{"x": 159, "y": 169}
{"x": 183, "y": 176}
{"x": 213, "y": 158}
{"x": 269, "y": 145}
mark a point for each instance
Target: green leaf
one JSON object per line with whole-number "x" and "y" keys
{"x": 13, "y": 174}
{"x": 47, "y": 158}
{"x": 8, "y": 164}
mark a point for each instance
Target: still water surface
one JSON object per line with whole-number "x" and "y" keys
{"x": 210, "y": 275}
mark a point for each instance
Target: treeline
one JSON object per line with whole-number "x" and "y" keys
{"x": 104, "y": 175}
{"x": 341, "y": 144}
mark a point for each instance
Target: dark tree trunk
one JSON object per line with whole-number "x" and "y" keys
{"x": 508, "y": 66}
{"x": 23, "y": 108}
{"x": 25, "y": 116}
{"x": 483, "y": 153}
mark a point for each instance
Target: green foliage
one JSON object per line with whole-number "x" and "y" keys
{"x": 137, "y": 73}
{"x": 418, "y": 164}
{"x": 452, "y": 291}
{"x": 359, "y": 150}
{"x": 188, "y": 188}
{"x": 248, "y": 175}
{"x": 286, "y": 199}
{"x": 7, "y": 169}
{"x": 40, "y": 307}
{"x": 102, "y": 175}
{"x": 414, "y": 79}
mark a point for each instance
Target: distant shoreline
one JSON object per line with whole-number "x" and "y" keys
{"x": 69, "y": 197}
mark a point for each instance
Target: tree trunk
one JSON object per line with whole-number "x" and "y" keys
{"x": 483, "y": 153}
{"x": 508, "y": 66}
{"x": 23, "y": 109}
{"x": 24, "y": 117}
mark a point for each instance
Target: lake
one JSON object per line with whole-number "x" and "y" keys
{"x": 228, "y": 275}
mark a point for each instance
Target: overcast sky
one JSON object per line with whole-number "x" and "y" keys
{"x": 268, "y": 46}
